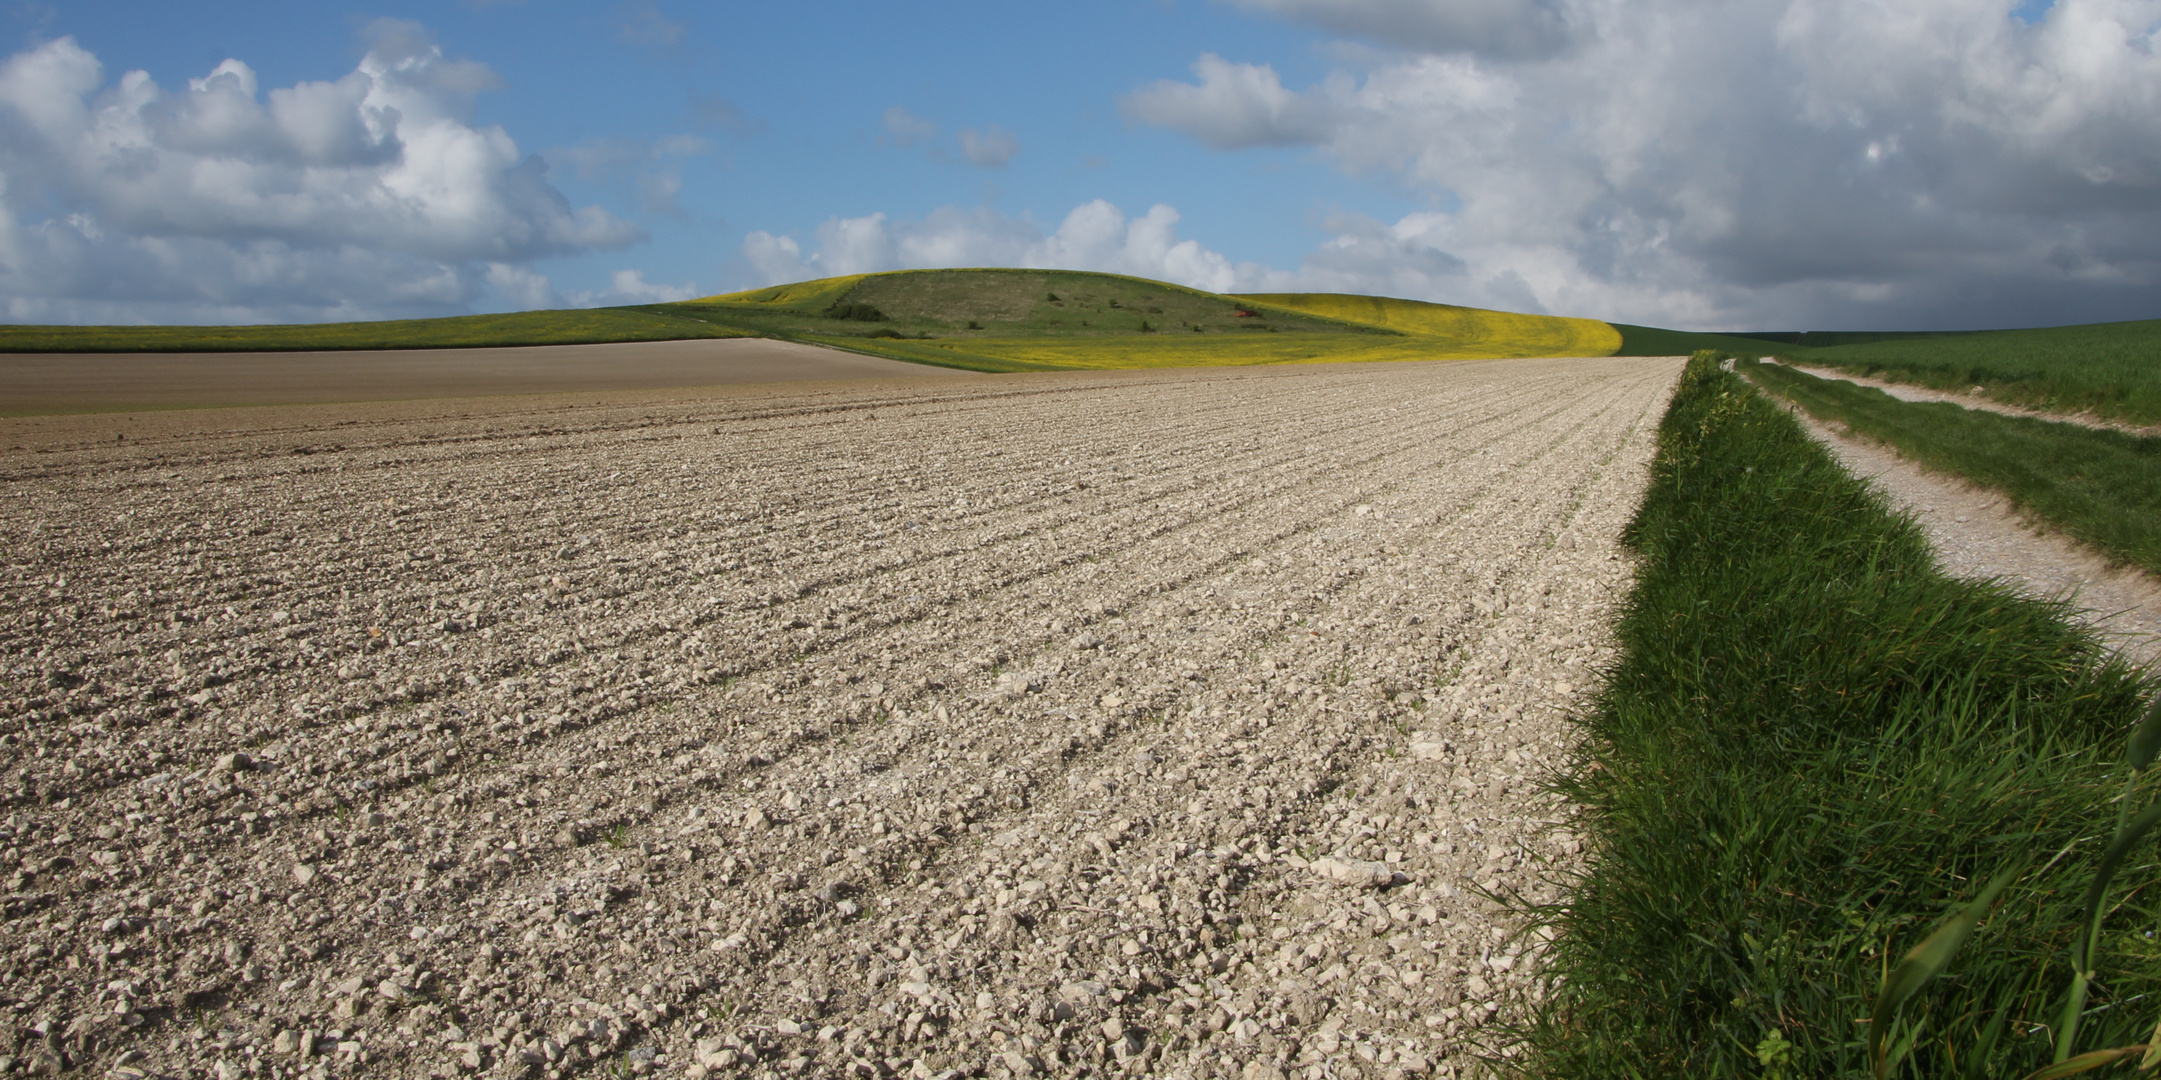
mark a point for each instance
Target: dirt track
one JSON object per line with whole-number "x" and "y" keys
{"x": 1165, "y": 722}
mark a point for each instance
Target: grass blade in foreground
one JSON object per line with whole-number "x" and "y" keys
{"x": 1812, "y": 749}
{"x": 1926, "y": 961}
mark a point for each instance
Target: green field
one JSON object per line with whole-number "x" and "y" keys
{"x": 1037, "y": 320}
{"x": 2103, "y": 487}
{"x": 2109, "y": 369}
{"x": 2112, "y": 369}
{"x": 1652, "y": 341}
{"x": 1813, "y": 748}
{"x": 586, "y": 327}
{"x": 983, "y": 320}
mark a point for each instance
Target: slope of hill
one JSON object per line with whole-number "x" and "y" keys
{"x": 1014, "y": 320}
{"x": 1471, "y": 330}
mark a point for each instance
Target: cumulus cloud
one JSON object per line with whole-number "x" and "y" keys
{"x": 1235, "y": 106}
{"x": 374, "y": 194}
{"x": 1094, "y": 236}
{"x": 522, "y": 287}
{"x": 630, "y": 287}
{"x": 1408, "y": 258}
{"x": 1766, "y": 163}
{"x": 990, "y": 148}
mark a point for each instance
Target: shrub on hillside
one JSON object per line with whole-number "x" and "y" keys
{"x": 855, "y": 313}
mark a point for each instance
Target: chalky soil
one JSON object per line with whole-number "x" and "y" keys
{"x": 1171, "y": 723}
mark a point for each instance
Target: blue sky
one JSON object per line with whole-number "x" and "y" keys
{"x": 1774, "y": 164}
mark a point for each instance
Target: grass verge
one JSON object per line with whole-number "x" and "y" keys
{"x": 2112, "y": 369}
{"x": 2103, "y": 487}
{"x": 1813, "y": 747}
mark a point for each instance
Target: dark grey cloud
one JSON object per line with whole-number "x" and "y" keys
{"x": 1772, "y": 163}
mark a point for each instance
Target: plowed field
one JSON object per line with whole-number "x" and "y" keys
{"x": 1169, "y": 722}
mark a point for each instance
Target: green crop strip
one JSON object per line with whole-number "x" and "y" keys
{"x": 2103, "y": 487}
{"x": 2113, "y": 369}
{"x": 1815, "y": 749}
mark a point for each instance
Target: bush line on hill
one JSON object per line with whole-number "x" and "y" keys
{"x": 1813, "y": 747}
{"x": 2101, "y": 486}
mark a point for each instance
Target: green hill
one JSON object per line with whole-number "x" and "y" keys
{"x": 984, "y": 320}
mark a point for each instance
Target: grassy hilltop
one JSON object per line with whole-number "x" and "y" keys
{"x": 982, "y": 320}
{"x": 1023, "y": 320}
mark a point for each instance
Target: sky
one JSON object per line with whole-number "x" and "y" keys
{"x": 1696, "y": 164}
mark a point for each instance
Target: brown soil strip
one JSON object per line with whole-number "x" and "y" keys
{"x": 1165, "y": 722}
{"x": 113, "y": 382}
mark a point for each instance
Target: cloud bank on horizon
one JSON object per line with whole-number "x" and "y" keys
{"x": 1756, "y": 164}
{"x": 1738, "y": 164}
{"x": 370, "y": 195}
{"x": 1766, "y": 164}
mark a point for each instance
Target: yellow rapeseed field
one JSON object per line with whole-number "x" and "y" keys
{"x": 1474, "y": 330}
{"x": 805, "y": 295}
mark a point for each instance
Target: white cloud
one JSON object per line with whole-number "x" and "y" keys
{"x": 1234, "y": 106}
{"x": 776, "y": 259}
{"x": 1095, "y": 236}
{"x": 1766, "y": 163}
{"x": 522, "y": 288}
{"x": 990, "y": 148}
{"x": 1410, "y": 258}
{"x": 373, "y": 194}
{"x": 905, "y": 129}
{"x": 630, "y": 287}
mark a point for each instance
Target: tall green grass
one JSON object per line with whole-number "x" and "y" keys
{"x": 1814, "y": 747}
{"x": 2113, "y": 369}
{"x": 2103, "y": 487}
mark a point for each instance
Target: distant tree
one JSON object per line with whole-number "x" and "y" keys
{"x": 855, "y": 312}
